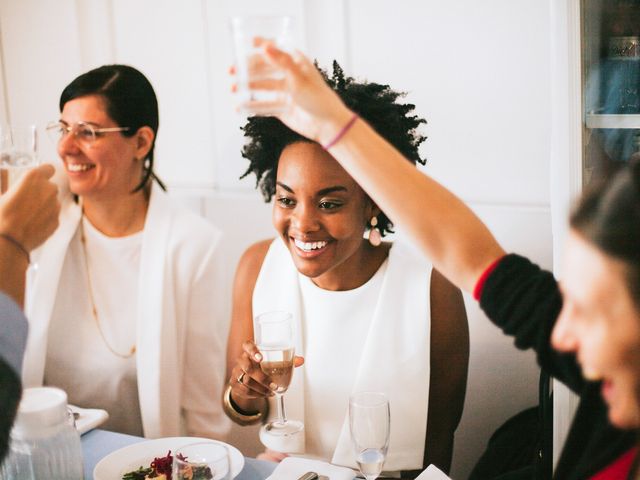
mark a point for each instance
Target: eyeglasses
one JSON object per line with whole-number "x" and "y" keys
{"x": 82, "y": 131}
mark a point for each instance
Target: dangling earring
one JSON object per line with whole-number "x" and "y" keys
{"x": 375, "y": 238}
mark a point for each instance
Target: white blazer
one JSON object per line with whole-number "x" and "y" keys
{"x": 180, "y": 344}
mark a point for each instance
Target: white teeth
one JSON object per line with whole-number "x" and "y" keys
{"x": 79, "y": 167}
{"x": 309, "y": 246}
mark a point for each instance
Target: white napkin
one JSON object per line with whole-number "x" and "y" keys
{"x": 432, "y": 473}
{"x": 292, "y": 468}
{"x": 88, "y": 418}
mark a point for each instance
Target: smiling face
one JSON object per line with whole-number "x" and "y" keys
{"x": 600, "y": 323}
{"x": 321, "y": 214}
{"x": 106, "y": 167}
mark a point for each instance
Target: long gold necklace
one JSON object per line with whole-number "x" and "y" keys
{"x": 94, "y": 311}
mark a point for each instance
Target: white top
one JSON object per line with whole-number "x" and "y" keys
{"x": 180, "y": 326}
{"x": 82, "y": 364}
{"x": 373, "y": 338}
{"x": 326, "y": 354}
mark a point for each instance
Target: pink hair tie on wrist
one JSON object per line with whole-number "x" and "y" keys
{"x": 342, "y": 132}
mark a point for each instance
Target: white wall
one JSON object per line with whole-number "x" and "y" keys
{"x": 478, "y": 70}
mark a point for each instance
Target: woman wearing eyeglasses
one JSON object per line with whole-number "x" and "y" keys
{"x": 121, "y": 305}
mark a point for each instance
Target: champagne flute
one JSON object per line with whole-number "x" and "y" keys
{"x": 369, "y": 423}
{"x": 201, "y": 461}
{"x": 274, "y": 337}
{"x": 18, "y": 153}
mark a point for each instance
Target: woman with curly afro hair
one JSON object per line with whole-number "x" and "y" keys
{"x": 371, "y": 315}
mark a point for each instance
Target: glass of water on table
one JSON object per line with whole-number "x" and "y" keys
{"x": 369, "y": 423}
{"x": 18, "y": 153}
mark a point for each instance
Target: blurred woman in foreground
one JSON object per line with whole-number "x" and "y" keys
{"x": 586, "y": 332}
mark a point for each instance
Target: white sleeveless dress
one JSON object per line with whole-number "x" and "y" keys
{"x": 373, "y": 338}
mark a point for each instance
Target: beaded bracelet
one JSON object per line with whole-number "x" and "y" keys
{"x": 342, "y": 132}
{"x": 17, "y": 244}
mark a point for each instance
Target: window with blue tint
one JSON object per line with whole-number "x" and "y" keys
{"x": 611, "y": 85}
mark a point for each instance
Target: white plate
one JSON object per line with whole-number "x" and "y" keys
{"x": 131, "y": 457}
{"x": 88, "y": 418}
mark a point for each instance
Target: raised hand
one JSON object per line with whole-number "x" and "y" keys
{"x": 29, "y": 209}
{"x": 28, "y": 215}
{"x": 312, "y": 108}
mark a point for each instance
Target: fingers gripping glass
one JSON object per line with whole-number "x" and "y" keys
{"x": 81, "y": 131}
{"x": 274, "y": 336}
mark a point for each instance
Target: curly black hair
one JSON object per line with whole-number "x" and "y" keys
{"x": 375, "y": 103}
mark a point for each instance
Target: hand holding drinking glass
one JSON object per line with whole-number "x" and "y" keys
{"x": 252, "y": 66}
{"x": 29, "y": 210}
{"x": 369, "y": 423}
{"x": 18, "y": 153}
{"x": 274, "y": 336}
{"x": 310, "y": 106}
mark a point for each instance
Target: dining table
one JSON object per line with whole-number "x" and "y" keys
{"x": 97, "y": 443}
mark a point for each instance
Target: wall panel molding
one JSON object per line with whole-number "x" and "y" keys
{"x": 566, "y": 164}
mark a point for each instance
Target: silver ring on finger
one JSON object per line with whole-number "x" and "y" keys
{"x": 241, "y": 377}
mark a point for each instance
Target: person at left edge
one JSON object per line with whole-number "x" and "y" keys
{"x": 122, "y": 307}
{"x": 28, "y": 215}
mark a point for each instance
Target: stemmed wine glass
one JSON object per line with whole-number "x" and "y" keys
{"x": 18, "y": 152}
{"x": 274, "y": 337}
{"x": 369, "y": 423}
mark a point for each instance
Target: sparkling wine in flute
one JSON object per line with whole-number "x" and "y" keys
{"x": 274, "y": 335}
{"x": 278, "y": 364}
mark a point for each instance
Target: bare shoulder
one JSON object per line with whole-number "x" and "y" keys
{"x": 251, "y": 262}
{"x": 448, "y": 315}
{"x": 253, "y": 256}
{"x": 441, "y": 287}
{"x": 449, "y": 324}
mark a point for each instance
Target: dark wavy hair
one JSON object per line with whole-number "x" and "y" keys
{"x": 608, "y": 216}
{"x": 131, "y": 102}
{"x": 377, "y": 104}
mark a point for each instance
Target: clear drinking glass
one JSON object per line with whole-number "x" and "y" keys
{"x": 369, "y": 423}
{"x": 251, "y": 64}
{"x": 18, "y": 152}
{"x": 201, "y": 461}
{"x": 274, "y": 337}
{"x": 44, "y": 442}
